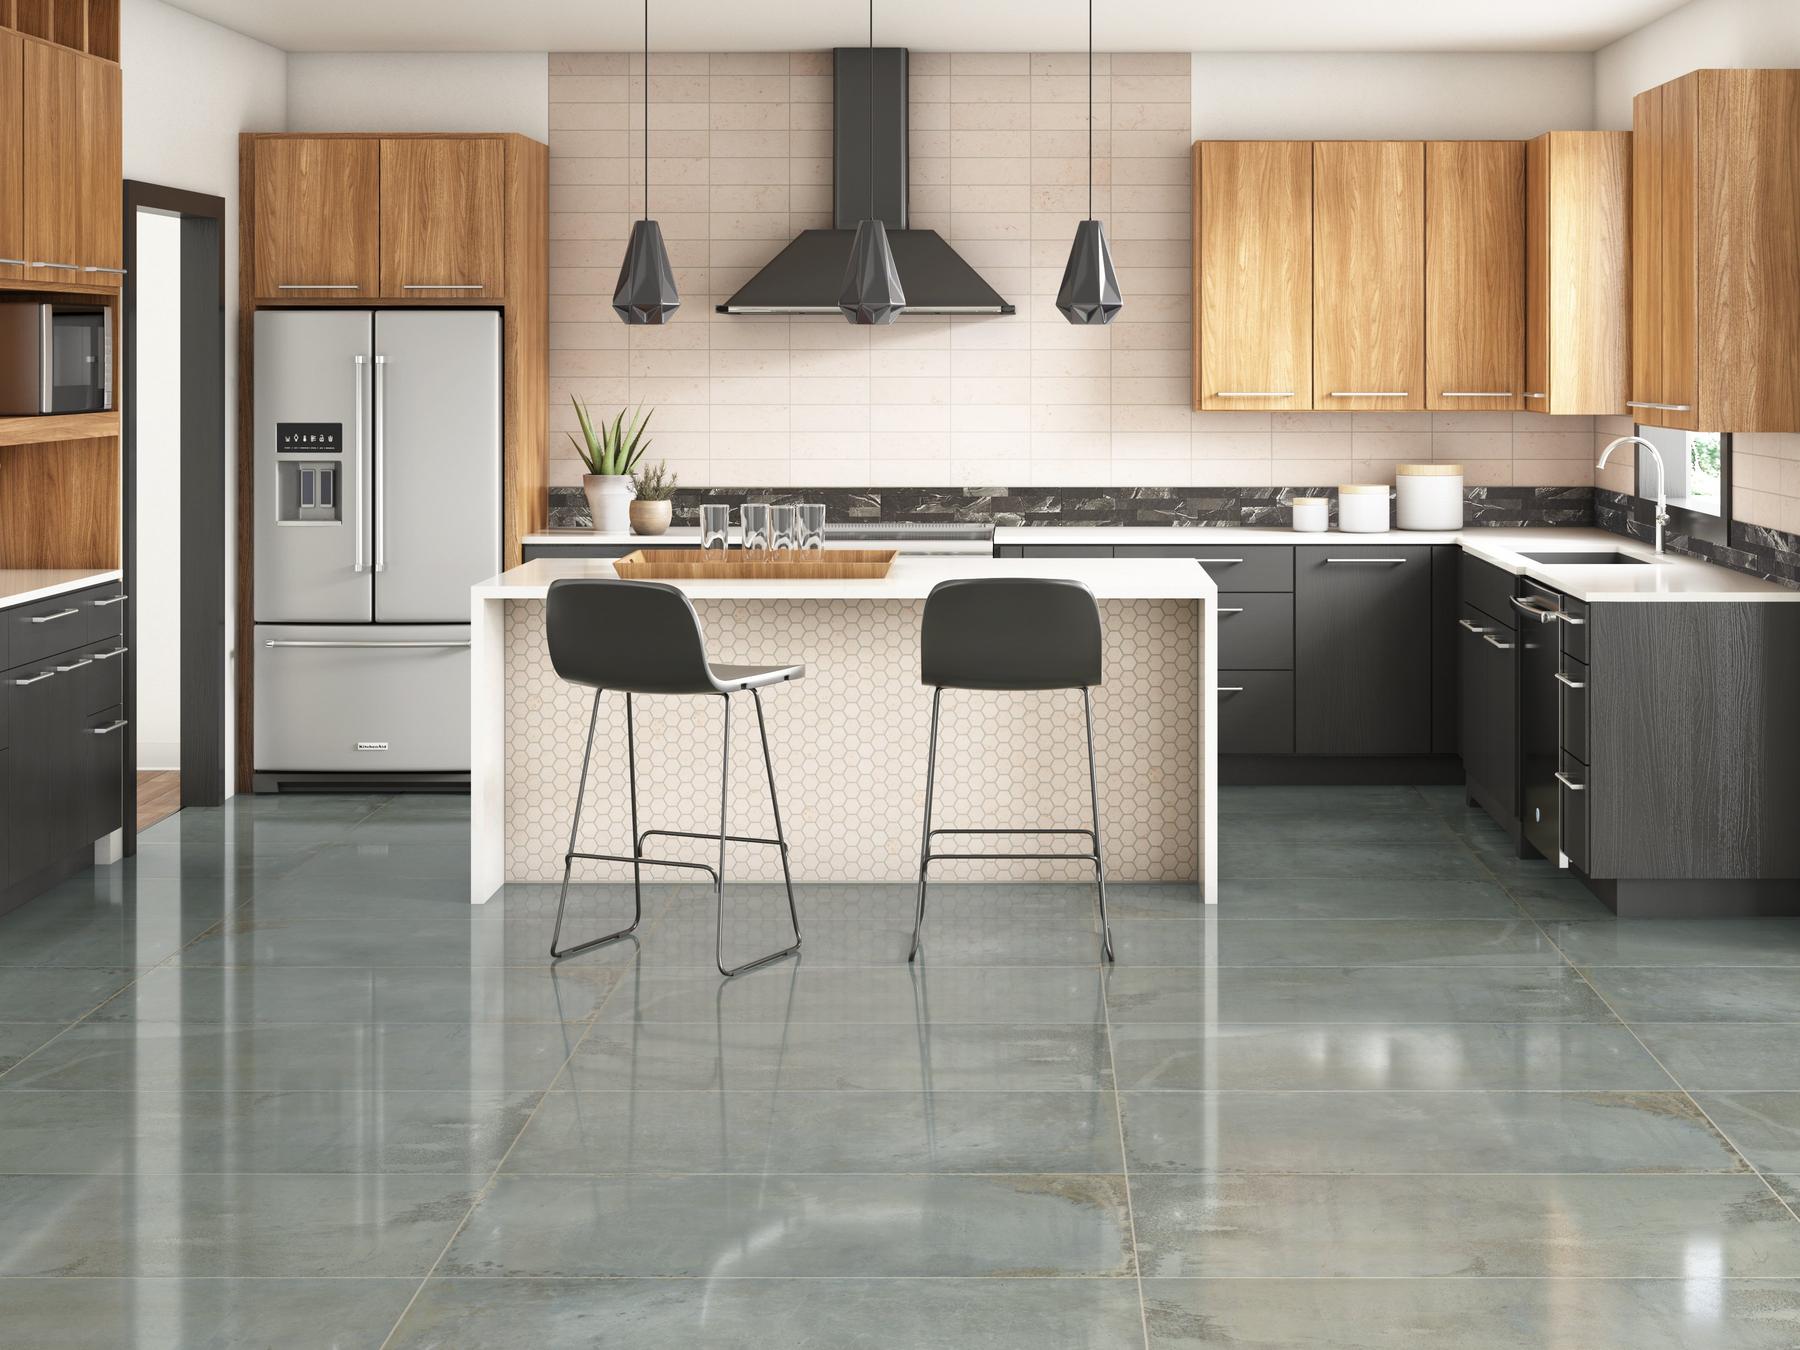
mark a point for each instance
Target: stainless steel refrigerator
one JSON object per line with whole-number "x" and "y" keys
{"x": 377, "y": 507}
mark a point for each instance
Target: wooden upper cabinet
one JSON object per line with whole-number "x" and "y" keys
{"x": 317, "y": 219}
{"x": 54, "y": 233}
{"x": 443, "y": 231}
{"x": 1578, "y": 272}
{"x": 1253, "y": 278}
{"x": 1715, "y": 332}
{"x": 12, "y": 156}
{"x": 1474, "y": 275}
{"x": 101, "y": 171}
{"x": 1369, "y": 275}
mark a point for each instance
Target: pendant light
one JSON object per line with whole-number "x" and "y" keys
{"x": 1090, "y": 287}
{"x": 872, "y": 292}
{"x": 646, "y": 291}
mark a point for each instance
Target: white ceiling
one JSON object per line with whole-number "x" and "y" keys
{"x": 935, "y": 25}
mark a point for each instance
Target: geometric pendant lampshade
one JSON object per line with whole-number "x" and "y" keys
{"x": 1090, "y": 286}
{"x": 646, "y": 291}
{"x": 872, "y": 291}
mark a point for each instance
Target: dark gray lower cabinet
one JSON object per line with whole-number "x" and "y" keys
{"x": 1256, "y": 712}
{"x": 42, "y": 769}
{"x": 100, "y": 757}
{"x": 1489, "y": 710}
{"x": 1362, "y": 658}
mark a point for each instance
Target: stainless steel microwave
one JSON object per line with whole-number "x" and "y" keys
{"x": 54, "y": 358}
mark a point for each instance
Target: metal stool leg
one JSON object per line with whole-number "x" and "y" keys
{"x": 1106, "y": 942}
{"x": 719, "y": 876}
{"x": 787, "y": 877}
{"x": 925, "y": 839}
{"x": 575, "y": 831}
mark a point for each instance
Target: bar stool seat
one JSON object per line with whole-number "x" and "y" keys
{"x": 643, "y": 637}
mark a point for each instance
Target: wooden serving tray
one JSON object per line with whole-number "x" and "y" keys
{"x": 695, "y": 564}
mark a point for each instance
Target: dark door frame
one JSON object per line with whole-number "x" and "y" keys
{"x": 204, "y": 693}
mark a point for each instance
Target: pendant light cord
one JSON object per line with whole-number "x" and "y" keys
{"x": 1090, "y": 108}
{"x": 647, "y": 108}
{"x": 872, "y": 108}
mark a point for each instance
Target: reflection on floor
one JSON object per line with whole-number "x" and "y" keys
{"x": 159, "y": 795}
{"x": 272, "y": 1082}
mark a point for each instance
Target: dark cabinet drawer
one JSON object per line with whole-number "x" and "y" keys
{"x": 1235, "y": 567}
{"x": 100, "y": 760}
{"x": 1572, "y": 784}
{"x": 1575, "y": 628}
{"x": 1065, "y": 551}
{"x": 1488, "y": 733}
{"x": 105, "y": 610}
{"x": 1256, "y": 712}
{"x": 1572, "y": 679}
{"x": 103, "y": 678}
{"x": 43, "y": 807}
{"x": 45, "y": 628}
{"x": 1256, "y": 631}
{"x": 1488, "y": 588}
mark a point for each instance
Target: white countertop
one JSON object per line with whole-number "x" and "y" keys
{"x": 22, "y": 586}
{"x": 910, "y": 578}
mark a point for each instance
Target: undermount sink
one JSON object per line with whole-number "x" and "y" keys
{"x": 1582, "y": 559}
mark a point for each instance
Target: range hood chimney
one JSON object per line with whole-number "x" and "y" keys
{"x": 805, "y": 277}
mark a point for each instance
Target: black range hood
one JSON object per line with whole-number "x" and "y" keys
{"x": 807, "y": 275}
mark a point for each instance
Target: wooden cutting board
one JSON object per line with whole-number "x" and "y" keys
{"x": 695, "y": 564}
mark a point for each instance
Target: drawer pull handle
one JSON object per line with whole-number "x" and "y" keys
{"x": 1231, "y": 689}
{"x": 1365, "y": 560}
{"x": 1569, "y": 782}
{"x": 35, "y": 679}
{"x": 107, "y": 656}
{"x": 1476, "y": 393}
{"x": 1254, "y": 393}
{"x": 107, "y": 271}
{"x": 318, "y": 286}
{"x": 52, "y": 618}
{"x": 111, "y": 600}
{"x": 12, "y": 262}
{"x": 444, "y": 286}
{"x": 1537, "y": 396}
{"x": 1473, "y": 628}
{"x": 60, "y": 267}
{"x": 1368, "y": 393}
{"x": 75, "y": 665}
{"x": 1565, "y": 681}
{"x": 1661, "y": 407}
{"x": 1231, "y": 609}
{"x": 1218, "y": 560}
{"x": 109, "y": 728}
{"x": 1493, "y": 641}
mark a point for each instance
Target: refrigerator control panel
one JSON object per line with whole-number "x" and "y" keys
{"x": 309, "y": 438}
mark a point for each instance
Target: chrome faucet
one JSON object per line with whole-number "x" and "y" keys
{"x": 1662, "y": 495}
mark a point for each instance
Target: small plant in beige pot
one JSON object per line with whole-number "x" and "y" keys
{"x": 652, "y": 508}
{"x": 610, "y": 452}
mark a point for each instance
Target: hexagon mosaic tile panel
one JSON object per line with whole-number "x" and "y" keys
{"x": 849, "y": 745}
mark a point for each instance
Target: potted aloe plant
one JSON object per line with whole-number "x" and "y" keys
{"x": 652, "y": 507}
{"x": 610, "y": 453}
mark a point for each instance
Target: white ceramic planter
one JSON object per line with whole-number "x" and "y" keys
{"x": 609, "y": 501}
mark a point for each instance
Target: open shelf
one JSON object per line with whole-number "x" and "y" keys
{"x": 58, "y": 427}
{"x": 90, "y": 26}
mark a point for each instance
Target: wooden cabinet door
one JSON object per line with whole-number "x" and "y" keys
{"x": 1253, "y": 284}
{"x": 1578, "y": 272}
{"x": 99, "y": 112}
{"x": 317, "y": 220}
{"x": 1362, "y": 650}
{"x": 1474, "y": 275}
{"x": 442, "y": 229}
{"x": 53, "y": 173}
{"x": 1369, "y": 275}
{"x": 1537, "y": 274}
{"x": 1664, "y": 367}
{"x": 12, "y": 156}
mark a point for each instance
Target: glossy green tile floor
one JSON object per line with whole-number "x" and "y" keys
{"x": 274, "y": 1084}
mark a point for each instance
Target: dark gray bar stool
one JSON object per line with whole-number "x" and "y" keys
{"x": 1012, "y": 633}
{"x": 642, "y": 637}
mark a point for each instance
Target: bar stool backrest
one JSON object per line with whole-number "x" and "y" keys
{"x": 634, "y": 637}
{"x": 1010, "y": 633}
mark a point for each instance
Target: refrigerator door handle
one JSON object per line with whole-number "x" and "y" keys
{"x": 361, "y": 493}
{"x": 380, "y": 463}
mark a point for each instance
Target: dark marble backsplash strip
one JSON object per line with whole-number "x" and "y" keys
{"x": 1498, "y": 506}
{"x": 1773, "y": 555}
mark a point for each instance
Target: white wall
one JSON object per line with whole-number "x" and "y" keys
{"x": 1701, "y": 34}
{"x": 438, "y": 91}
{"x": 1390, "y": 95}
{"x": 158, "y": 413}
{"x": 190, "y": 87}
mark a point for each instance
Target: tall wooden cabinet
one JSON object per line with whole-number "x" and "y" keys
{"x": 12, "y": 156}
{"x": 100, "y": 171}
{"x": 1474, "y": 275}
{"x": 1715, "y": 260}
{"x": 1578, "y": 272}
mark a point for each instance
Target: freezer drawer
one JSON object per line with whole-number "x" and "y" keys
{"x": 364, "y": 699}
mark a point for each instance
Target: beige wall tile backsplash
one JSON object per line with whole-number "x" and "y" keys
{"x": 741, "y": 163}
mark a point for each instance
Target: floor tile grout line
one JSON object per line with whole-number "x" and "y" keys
{"x": 1112, "y": 1074}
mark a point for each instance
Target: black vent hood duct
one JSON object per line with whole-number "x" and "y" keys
{"x": 807, "y": 275}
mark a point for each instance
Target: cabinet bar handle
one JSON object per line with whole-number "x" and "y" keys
{"x": 303, "y": 642}
{"x": 1537, "y": 396}
{"x": 1572, "y": 684}
{"x": 111, "y": 600}
{"x": 107, "y": 656}
{"x": 444, "y": 286}
{"x": 50, "y": 618}
{"x": 1218, "y": 560}
{"x": 1365, "y": 560}
{"x": 1231, "y": 689}
{"x": 1254, "y": 393}
{"x": 1476, "y": 393}
{"x": 109, "y": 728}
{"x": 1473, "y": 628}
{"x": 61, "y": 267}
{"x": 109, "y": 271}
{"x": 13, "y": 262}
{"x": 75, "y": 665}
{"x": 1493, "y": 641}
{"x": 1569, "y": 782}
{"x": 1661, "y": 407}
{"x": 35, "y": 679}
{"x": 1368, "y": 393}
{"x": 317, "y": 286}
{"x": 1231, "y": 609}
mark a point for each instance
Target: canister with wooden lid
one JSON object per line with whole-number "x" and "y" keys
{"x": 1428, "y": 496}
{"x": 1363, "y": 507}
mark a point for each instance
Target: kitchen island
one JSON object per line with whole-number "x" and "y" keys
{"x": 849, "y": 739}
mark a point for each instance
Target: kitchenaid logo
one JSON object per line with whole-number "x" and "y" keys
{"x": 371, "y": 745}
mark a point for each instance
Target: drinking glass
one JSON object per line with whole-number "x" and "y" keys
{"x": 715, "y": 526}
{"x": 812, "y": 525}
{"x": 781, "y": 524}
{"x": 756, "y": 527}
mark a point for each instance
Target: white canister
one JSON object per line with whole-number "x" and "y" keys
{"x": 1312, "y": 515}
{"x": 1363, "y": 507}
{"x": 1428, "y": 496}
